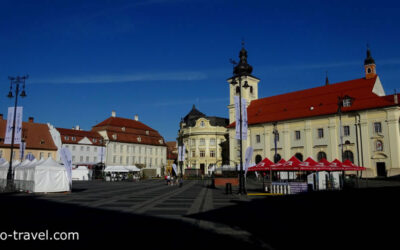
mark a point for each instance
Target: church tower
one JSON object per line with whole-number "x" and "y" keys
{"x": 369, "y": 66}
{"x": 251, "y": 92}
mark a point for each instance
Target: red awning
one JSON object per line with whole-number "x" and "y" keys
{"x": 263, "y": 165}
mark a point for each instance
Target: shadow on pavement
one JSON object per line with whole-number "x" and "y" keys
{"x": 353, "y": 219}
{"x": 99, "y": 228}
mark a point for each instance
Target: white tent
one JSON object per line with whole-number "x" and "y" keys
{"x": 133, "y": 168}
{"x": 4, "y": 171}
{"x": 119, "y": 169}
{"x": 45, "y": 176}
{"x": 81, "y": 173}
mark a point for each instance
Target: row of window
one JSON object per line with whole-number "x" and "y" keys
{"x": 202, "y": 142}
{"x": 203, "y": 153}
{"x": 73, "y": 138}
{"x": 82, "y": 148}
{"x": 142, "y": 150}
{"x": 16, "y": 156}
{"x": 87, "y": 159}
{"x": 136, "y": 160}
{"x": 320, "y": 132}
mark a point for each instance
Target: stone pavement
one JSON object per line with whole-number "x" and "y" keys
{"x": 197, "y": 217}
{"x": 150, "y": 198}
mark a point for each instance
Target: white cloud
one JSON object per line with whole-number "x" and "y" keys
{"x": 173, "y": 76}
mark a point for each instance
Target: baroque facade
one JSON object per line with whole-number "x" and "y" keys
{"x": 205, "y": 140}
{"x": 352, "y": 120}
{"x": 130, "y": 142}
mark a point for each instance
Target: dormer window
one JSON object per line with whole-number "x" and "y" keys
{"x": 114, "y": 136}
{"x": 202, "y": 124}
{"x": 42, "y": 141}
{"x": 139, "y": 139}
{"x": 73, "y": 138}
{"x": 66, "y": 138}
{"x": 123, "y": 129}
{"x": 347, "y": 102}
{"x": 147, "y": 132}
{"x": 94, "y": 140}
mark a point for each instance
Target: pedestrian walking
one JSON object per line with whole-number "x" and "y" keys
{"x": 180, "y": 182}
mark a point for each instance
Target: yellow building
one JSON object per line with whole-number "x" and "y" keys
{"x": 205, "y": 140}
{"x": 352, "y": 120}
{"x": 38, "y": 140}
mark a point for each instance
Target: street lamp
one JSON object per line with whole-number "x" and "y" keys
{"x": 276, "y": 136}
{"x": 17, "y": 81}
{"x": 240, "y": 73}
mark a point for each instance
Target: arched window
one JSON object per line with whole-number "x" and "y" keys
{"x": 299, "y": 156}
{"x": 258, "y": 158}
{"x": 348, "y": 155}
{"x": 277, "y": 158}
{"x": 321, "y": 155}
{"x": 379, "y": 145}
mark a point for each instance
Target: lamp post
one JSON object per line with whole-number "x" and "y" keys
{"x": 240, "y": 73}
{"x": 17, "y": 81}
{"x": 276, "y": 135}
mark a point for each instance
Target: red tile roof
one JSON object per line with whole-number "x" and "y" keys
{"x": 36, "y": 135}
{"x": 316, "y": 102}
{"x": 68, "y": 134}
{"x": 129, "y": 131}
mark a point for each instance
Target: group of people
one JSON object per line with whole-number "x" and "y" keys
{"x": 173, "y": 181}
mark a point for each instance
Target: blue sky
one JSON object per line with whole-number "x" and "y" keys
{"x": 156, "y": 58}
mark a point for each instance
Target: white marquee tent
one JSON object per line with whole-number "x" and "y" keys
{"x": 81, "y": 173}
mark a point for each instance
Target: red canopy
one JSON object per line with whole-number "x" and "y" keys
{"x": 308, "y": 165}
{"x": 349, "y": 166}
{"x": 263, "y": 165}
{"x": 336, "y": 165}
{"x": 294, "y": 164}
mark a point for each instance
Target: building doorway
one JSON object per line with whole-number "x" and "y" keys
{"x": 381, "y": 169}
{"x": 202, "y": 167}
{"x": 258, "y": 158}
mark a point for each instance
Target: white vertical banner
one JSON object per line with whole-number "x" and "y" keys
{"x": 66, "y": 158}
{"x": 101, "y": 153}
{"x": 237, "y": 114}
{"x": 10, "y": 123}
{"x": 181, "y": 153}
{"x": 174, "y": 167}
{"x": 248, "y": 155}
{"x": 244, "y": 119}
{"x": 22, "y": 147}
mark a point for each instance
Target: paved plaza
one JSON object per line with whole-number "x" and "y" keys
{"x": 149, "y": 214}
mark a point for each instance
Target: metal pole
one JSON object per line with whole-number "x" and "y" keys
{"x": 10, "y": 177}
{"x": 241, "y": 181}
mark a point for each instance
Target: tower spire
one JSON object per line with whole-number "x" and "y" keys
{"x": 326, "y": 79}
{"x": 369, "y": 65}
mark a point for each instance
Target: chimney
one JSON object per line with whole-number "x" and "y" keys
{"x": 30, "y": 119}
{"x": 136, "y": 118}
{"x": 77, "y": 127}
{"x": 113, "y": 114}
{"x": 396, "y": 99}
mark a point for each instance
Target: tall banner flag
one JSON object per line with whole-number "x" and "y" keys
{"x": 248, "y": 155}
{"x": 67, "y": 160}
{"x": 18, "y": 126}
{"x": 181, "y": 153}
{"x": 22, "y": 147}
{"x": 101, "y": 154}
{"x": 175, "y": 170}
{"x": 244, "y": 118}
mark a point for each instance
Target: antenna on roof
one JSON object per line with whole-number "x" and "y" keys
{"x": 326, "y": 79}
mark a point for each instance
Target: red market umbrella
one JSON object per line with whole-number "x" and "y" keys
{"x": 309, "y": 165}
{"x": 263, "y": 165}
{"x": 336, "y": 165}
{"x": 323, "y": 165}
{"x": 349, "y": 166}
